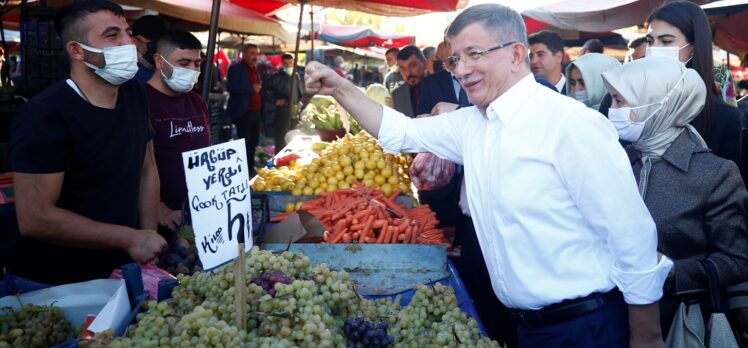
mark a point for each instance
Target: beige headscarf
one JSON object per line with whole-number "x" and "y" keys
{"x": 673, "y": 96}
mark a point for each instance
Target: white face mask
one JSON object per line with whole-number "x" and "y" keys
{"x": 667, "y": 52}
{"x": 580, "y": 96}
{"x": 120, "y": 63}
{"x": 181, "y": 80}
{"x": 627, "y": 130}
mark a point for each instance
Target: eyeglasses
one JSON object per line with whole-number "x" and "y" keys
{"x": 451, "y": 62}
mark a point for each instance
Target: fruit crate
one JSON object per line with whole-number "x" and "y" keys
{"x": 388, "y": 270}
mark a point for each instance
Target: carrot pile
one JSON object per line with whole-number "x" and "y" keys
{"x": 365, "y": 215}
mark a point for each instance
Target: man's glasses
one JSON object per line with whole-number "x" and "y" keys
{"x": 451, "y": 62}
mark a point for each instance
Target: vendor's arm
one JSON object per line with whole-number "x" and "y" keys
{"x": 726, "y": 226}
{"x": 601, "y": 183}
{"x": 149, "y": 191}
{"x": 38, "y": 217}
{"x": 440, "y": 135}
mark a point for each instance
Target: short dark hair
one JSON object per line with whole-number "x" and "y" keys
{"x": 429, "y": 51}
{"x": 173, "y": 39}
{"x": 394, "y": 50}
{"x": 69, "y": 21}
{"x": 248, "y": 46}
{"x": 549, "y": 38}
{"x": 149, "y": 26}
{"x": 691, "y": 20}
{"x": 637, "y": 42}
{"x": 286, "y": 56}
{"x": 594, "y": 46}
{"x": 409, "y": 51}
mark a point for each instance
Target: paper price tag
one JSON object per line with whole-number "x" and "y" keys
{"x": 219, "y": 197}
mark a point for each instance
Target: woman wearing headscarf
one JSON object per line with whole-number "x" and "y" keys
{"x": 698, "y": 200}
{"x": 584, "y": 81}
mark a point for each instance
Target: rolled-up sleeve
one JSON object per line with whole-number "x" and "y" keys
{"x": 601, "y": 182}
{"x": 440, "y": 135}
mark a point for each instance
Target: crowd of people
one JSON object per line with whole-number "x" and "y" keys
{"x": 590, "y": 198}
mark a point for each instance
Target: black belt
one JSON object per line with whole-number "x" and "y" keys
{"x": 566, "y": 310}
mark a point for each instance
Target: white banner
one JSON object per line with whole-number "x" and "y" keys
{"x": 218, "y": 194}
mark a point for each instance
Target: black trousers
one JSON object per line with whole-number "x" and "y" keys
{"x": 248, "y": 127}
{"x": 496, "y": 317}
{"x": 282, "y": 123}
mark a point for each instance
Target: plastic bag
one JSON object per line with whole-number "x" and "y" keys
{"x": 429, "y": 172}
{"x": 151, "y": 276}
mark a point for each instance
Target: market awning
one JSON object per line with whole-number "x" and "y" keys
{"x": 725, "y": 7}
{"x": 594, "y": 15}
{"x": 392, "y": 8}
{"x": 233, "y": 17}
{"x": 354, "y": 36}
{"x": 730, "y": 25}
{"x": 266, "y": 7}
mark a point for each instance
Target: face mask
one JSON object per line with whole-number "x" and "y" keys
{"x": 120, "y": 63}
{"x": 288, "y": 70}
{"x": 627, "y": 130}
{"x": 181, "y": 80}
{"x": 667, "y": 52}
{"x": 580, "y": 96}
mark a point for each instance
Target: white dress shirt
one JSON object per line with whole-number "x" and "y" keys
{"x": 554, "y": 201}
{"x": 561, "y": 84}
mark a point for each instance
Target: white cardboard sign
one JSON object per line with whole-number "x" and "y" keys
{"x": 220, "y": 204}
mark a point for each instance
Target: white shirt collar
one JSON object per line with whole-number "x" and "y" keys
{"x": 561, "y": 83}
{"x": 506, "y": 105}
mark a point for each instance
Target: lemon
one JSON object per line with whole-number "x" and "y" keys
{"x": 331, "y": 188}
{"x": 290, "y": 207}
{"x": 387, "y": 189}
{"x": 318, "y": 190}
{"x": 379, "y": 180}
{"x": 369, "y": 182}
{"x": 381, "y": 164}
{"x": 348, "y": 170}
{"x": 386, "y": 172}
{"x": 298, "y": 205}
{"x": 340, "y": 175}
{"x": 296, "y": 191}
{"x": 308, "y": 191}
{"x": 332, "y": 181}
{"x": 359, "y": 173}
{"x": 371, "y": 164}
{"x": 393, "y": 181}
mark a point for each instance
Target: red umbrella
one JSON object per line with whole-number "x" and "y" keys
{"x": 265, "y": 7}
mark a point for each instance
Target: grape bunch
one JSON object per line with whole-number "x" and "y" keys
{"x": 180, "y": 257}
{"x": 370, "y": 334}
{"x": 33, "y": 326}
{"x": 267, "y": 281}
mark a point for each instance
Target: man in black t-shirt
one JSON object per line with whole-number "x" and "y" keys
{"x": 85, "y": 179}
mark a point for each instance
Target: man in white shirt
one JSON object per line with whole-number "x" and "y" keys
{"x": 556, "y": 208}
{"x": 546, "y": 57}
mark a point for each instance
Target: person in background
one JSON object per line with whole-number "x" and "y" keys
{"x": 215, "y": 77}
{"x": 442, "y": 52}
{"x": 179, "y": 118}
{"x": 276, "y": 94}
{"x": 412, "y": 65}
{"x": 430, "y": 54}
{"x": 145, "y": 30}
{"x": 339, "y": 66}
{"x": 548, "y": 186}
{"x": 393, "y": 79}
{"x": 672, "y": 164}
{"x": 680, "y": 30}
{"x": 245, "y": 100}
{"x": 546, "y": 58}
{"x": 637, "y": 49}
{"x": 584, "y": 80}
{"x": 85, "y": 178}
{"x": 592, "y": 46}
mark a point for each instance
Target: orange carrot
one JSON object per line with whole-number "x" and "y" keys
{"x": 346, "y": 238}
{"x": 365, "y": 231}
{"x": 338, "y": 237}
{"x": 371, "y": 240}
{"x": 382, "y": 233}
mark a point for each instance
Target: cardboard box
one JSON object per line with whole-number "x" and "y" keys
{"x": 300, "y": 227}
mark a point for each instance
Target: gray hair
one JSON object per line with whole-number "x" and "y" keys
{"x": 501, "y": 22}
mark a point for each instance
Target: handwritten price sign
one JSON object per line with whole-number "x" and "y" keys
{"x": 220, "y": 203}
